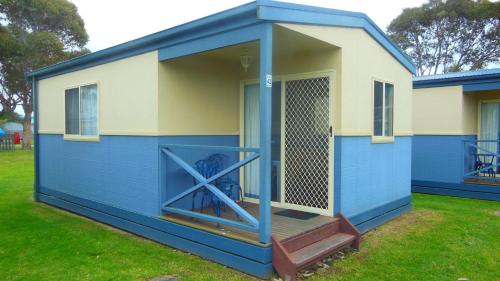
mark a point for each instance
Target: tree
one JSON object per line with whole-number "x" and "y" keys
{"x": 449, "y": 36}
{"x": 34, "y": 34}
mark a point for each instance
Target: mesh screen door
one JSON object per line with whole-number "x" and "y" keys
{"x": 307, "y": 144}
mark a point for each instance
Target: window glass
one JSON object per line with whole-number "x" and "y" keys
{"x": 72, "y": 112}
{"x": 388, "y": 112}
{"x": 378, "y": 109}
{"x": 89, "y": 110}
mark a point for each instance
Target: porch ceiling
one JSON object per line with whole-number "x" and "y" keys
{"x": 285, "y": 43}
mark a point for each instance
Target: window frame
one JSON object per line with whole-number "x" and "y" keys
{"x": 79, "y": 136}
{"x": 383, "y": 138}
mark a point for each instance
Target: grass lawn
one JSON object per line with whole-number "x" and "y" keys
{"x": 443, "y": 238}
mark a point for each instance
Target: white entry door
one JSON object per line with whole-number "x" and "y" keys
{"x": 307, "y": 145}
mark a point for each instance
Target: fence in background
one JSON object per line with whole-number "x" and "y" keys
{"x": 7, "y": 142}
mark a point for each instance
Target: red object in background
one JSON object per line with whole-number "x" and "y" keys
{"x": 17, "y": 138}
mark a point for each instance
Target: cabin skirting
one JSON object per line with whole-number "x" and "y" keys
{"x": 377, "y": 216}
{"x": 475, "y": 191}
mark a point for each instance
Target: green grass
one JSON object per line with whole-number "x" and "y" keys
{"x": 443, "y": 238}
{"x": 38, "y": 242}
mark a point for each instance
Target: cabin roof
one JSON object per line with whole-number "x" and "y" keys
{"x": 251, "y": 13}
{"x": 476, "y": 80}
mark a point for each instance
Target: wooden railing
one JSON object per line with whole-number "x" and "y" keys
{"x": 482, "y": 160}
{"x": 248, "y": 222}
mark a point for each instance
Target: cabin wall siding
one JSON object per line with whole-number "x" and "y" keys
{"x": 439, "y": 158}
{"x": 371, "y": 175}
{"x": 120, "y": 171}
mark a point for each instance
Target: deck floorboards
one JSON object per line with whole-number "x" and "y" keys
{"x": 281, "y": 226}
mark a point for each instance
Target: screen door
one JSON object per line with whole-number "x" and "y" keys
{"x": 308, "y": 145}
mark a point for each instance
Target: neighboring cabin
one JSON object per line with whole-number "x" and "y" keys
{"x": 456, "y": 123}
{"x": 321, "y": 97}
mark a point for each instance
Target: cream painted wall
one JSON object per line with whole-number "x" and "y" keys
{"x": 198, "y": 96}
{"x": 440, "y": 111}
{"x": 447, "y": 110}
{"x": 362, "y": 60}
{"x": 127, "y": 96}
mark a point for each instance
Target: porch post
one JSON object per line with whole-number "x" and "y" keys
{"x": 265, "y": 100}
{"x": 36, "y": 142}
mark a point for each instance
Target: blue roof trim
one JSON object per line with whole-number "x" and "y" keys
{"x": 297, "y": 13}
{"x": 241, "y": 16}
{"x": 219, "y": 40}
{"x": 479, "y": 80}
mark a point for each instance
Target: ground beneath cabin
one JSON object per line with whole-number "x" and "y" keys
{"x": 443, "y": 238}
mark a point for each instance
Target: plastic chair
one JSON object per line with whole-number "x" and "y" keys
{"x": 209, "y": 167}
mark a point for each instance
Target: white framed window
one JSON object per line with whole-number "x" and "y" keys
{"x": 383, "y": 110}
{"x": 81, "y": 108}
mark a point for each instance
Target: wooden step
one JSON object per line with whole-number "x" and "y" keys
{"x": 304, "y": 249}
{"x": 311, "y": 236}
{"x": 321, "y": 249}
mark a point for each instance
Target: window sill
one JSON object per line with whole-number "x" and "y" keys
{"x": 81, "y": 138}
{"x": 383, "y": 139}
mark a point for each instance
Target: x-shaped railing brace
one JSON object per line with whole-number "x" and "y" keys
{"x": 204, "y": 182}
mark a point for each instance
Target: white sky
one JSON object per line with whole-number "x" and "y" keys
{"x": 110, "y": 22}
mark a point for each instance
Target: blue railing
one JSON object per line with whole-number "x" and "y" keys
{"x": 482, "y": 160}
{"x": 250, "y": 223}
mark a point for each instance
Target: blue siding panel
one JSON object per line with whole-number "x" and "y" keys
{"x": 337, "y": 175}
{"x": 117, "y": 170}
{"x": 438, "y": 158}
{"x": 371, "y": 174}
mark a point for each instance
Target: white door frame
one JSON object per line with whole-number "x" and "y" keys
{"x": 330, "y": 73}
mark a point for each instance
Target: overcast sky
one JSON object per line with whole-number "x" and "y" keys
{"x": 110, "y": 22}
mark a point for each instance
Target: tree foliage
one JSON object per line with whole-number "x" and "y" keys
{"x": 34, "y": 34}
{"x": 448, "y": 36}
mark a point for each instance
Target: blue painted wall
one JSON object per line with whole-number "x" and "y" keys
{"x": 121, "y": 171}
{"x": 439, "y": 158}
{"x": 118, "y": 170}
{"x": 370, "y": 175}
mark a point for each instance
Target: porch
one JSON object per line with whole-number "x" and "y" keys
{"x": 230, "y": 104}
{"x": 250, "y": 136}
{"x": 282, "y": 227}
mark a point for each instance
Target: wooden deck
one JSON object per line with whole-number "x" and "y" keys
{"x": 487, "y": 181}
{"x": 282, "y": 227}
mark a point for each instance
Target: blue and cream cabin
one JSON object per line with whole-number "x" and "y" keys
{"x": 457, "y": 134}
{"x": 232, "y": 133}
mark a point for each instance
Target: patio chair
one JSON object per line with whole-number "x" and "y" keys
{"x": 482, "y": 164}
{"x": 207, "y": 168}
